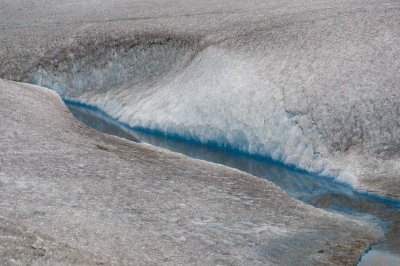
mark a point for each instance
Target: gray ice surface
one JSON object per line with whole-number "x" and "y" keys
{"x": 313, "y": 84}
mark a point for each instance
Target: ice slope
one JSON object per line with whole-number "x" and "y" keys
{"x": 312, "y": 84}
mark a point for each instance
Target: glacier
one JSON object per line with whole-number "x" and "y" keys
{"x": 311, "y": 83}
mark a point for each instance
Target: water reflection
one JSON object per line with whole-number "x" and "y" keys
{"x": 99, "y": 122}
{"x": 311, "y": 189}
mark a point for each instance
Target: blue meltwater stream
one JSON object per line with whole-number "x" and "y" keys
{"x": 315, "y": 190}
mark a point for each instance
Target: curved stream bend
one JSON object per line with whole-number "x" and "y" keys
{"x": 312, "y": 84}
{"x": 171, "y": 86}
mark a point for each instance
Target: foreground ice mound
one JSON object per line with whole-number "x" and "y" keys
{"x": 134, "y": 203}
{"x": 315, "y": 88}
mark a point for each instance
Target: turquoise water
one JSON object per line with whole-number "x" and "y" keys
{"x": 311, "y": 189}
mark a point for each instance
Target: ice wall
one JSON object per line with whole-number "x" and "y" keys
{"x": 110, "y": 66}
{"x": 216, "y": 98}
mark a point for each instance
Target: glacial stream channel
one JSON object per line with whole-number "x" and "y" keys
{"x": 317, "y": 191}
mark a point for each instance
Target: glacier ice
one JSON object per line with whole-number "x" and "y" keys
{"x": 314, "y": 84}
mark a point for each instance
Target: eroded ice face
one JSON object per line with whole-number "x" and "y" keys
{"x": 217, "y": 97}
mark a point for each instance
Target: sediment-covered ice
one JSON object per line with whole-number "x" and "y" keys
{"x": 314, "y": 84}
{"x": 311, "y": 84}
